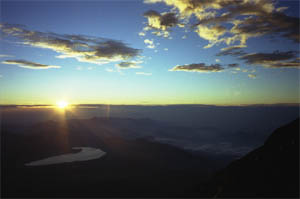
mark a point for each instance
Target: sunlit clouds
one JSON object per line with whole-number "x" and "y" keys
{"x": 149, "y": 43}
{"x": 232, "y": 23}
{"x": 84, "y": 48}
{"x": 160, "y": 23}
{"x": 248, "y": 18}
{"x": 252, "y": 76}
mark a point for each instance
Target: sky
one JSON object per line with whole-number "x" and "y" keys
{"x": 221, "y": 52}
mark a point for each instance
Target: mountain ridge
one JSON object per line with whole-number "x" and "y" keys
{"x": 271, "y": 170}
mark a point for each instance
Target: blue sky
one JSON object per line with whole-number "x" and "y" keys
{"x": 175, "y": 69}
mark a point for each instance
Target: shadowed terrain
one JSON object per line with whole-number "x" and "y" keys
{"x": 140, "y": 166}
{"x": 130, "y": 167}
{"x": 271, "y": 170}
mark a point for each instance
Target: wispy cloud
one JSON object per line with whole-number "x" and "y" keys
{"x": 201, "y": 68}
{"x": 84, "y": 48}
{"x": 127, "y": 65}
{"x": 143, "y": 73}
{"x": 233, "y": 65}
{"x": 3, "y": 55}
{"x": 109, "y": 70}
{"x": 252, "y": 76}
{"x": 232, "y": 50}
{"x": 28, "y": 64}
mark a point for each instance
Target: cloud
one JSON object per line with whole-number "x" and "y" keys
{"x": 143, "y": 73}
{"x": 273, "y": 23}
{"x": 239, "y": 19}
{"x": 109, "y": 70}
{"x": 3, "y": 55}
{"x": 201, "y": 67}
{"x": 28, "y": 64}
{"x": 79, "y": 68}
{"x": 150, "y": 43}
{"x": 252, "y": 76}
{"x": 160, "y": 22}
{"x": 142, "y": 34}
{"x": 277, "y": 59}
{"x": 127, "y": 65}
{"x": 217, "y": 60}
{"x": 232, "y": 50}
{"x": 233, "y": 65}
{"x": 84, "y": 48}
{"x": 212, "y": 34}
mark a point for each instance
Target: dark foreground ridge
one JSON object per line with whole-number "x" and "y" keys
{"x": 271, "y": 170}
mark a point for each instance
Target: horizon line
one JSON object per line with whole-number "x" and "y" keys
{"x": 221, "y": 105}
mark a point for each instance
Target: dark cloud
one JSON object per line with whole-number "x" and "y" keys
{"x": 273, "y": 23}
{"x": 84, "y": 48}
{"x": 28, "y": 64}
{"x": 126, "y": 65}
{"x": 233, "y": 65}
{"x": 277, "y": 59}
{"x": 201, "y": 67}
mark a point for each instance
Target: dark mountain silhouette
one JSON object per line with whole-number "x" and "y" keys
{"x": 131, "y": 168}
{"x": 271, "y": 170}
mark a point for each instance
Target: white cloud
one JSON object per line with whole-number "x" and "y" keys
{"x": 150, "y": 43}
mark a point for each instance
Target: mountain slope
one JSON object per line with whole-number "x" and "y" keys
{"x": 269, "y": 171}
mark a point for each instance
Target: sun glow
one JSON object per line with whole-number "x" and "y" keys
{"x": 62, "y": 104}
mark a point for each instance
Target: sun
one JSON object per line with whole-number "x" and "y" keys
{"x": 62, "y": 104}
